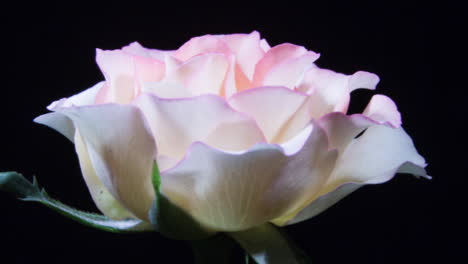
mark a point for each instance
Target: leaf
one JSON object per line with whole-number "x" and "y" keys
{"x": 17, "y": 184}
{"x": 169, "y": 219}
{"x": 267, "y": 244}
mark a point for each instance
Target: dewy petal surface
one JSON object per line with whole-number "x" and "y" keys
{"x": 121, "y": 150}
{"x": 234, "y": 191}
{"x": 177, "y": 123}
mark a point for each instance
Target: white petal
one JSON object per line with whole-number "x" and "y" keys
{"x": 324, "y": 202}
{"x": 60, "y": 122}
{"x": 103, "y": 199}
{"x": 382, "y": 109}
{"x": 374, "y": 157}
{"x": 274, "y": 57}
{"x": 203, "y": 74}
{"x": 121, "y": 150}
{"x": 235, "y": 191}
{"x": 247, "y": 49}
{"x": 333, "y": 89}
{"x": 274, "y": 109}
{"x": 177, "y": 123}
{"x": 290, "y": 72}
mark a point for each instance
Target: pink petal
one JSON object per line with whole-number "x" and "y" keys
{"x": 125, "y": 73}
{"x": 235, "y": 191}
{"x": 201, "y": 45}
{"x": 118, "y": 70}
{"x": 290, "y": 72}
{"x": 333, "y": 89}
{"x": 177, "y": 123}
{"x": 381, "y": 108}
{"x": 138, "y": 50}
{"x": 203, "y": 74}
{"x": 264, "y": 45}
{"x": 276, "y": 56}
{"x": 247, "y": 49}
{"x": 272, "y": 108}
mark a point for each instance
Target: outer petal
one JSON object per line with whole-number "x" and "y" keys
{"x": 277, "y": 56}
{"x": 374, "y": 157}
{"x": 121, "y": 150}
{"x": 332, "y": 89}
{"x": 105, "y": 201}
{"x": 235, "y": 191}
{"x": 177, "y": 123}
{"x": 60, "y": 122}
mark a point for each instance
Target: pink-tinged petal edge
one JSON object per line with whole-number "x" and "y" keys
{"x": 358, "y": 164}
{"x": 229, "y": 191}
{"x": 177, "y": 123}
{"x": 61, "y": 123}
{"x": 261, "y": 103}
{"x": 274, "y": 57}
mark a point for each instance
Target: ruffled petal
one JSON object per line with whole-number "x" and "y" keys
{"x": 382, "y": 109}
{"x": 290, "y": 72}
{"x": 332, "y": 90}
{"x": 228, "y": 191}
{"x": 125, "y": 74}
{"x": 279, "y": 111}
{"x": 373, "y": 157}
{"x": 177, "y": 123}
{"x": 121, "y": 150}
{"x": 247, "y": 49}
{"x": 203, "y": 74}
{"x": 201, "y": 45}
{"x": 137, "y": 49}
{"x": 276, "y": 56}
{"x": 60, "y": 122}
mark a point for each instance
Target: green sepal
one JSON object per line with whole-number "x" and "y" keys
{"x": 267, "y": 244}
{"x": 17, "y": 184}
{"x": 171, "y": 220}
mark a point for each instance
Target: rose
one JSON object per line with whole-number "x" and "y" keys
{"x": 242, "y": 132}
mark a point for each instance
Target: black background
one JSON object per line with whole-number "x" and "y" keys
{"x": 50, "y": 54}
